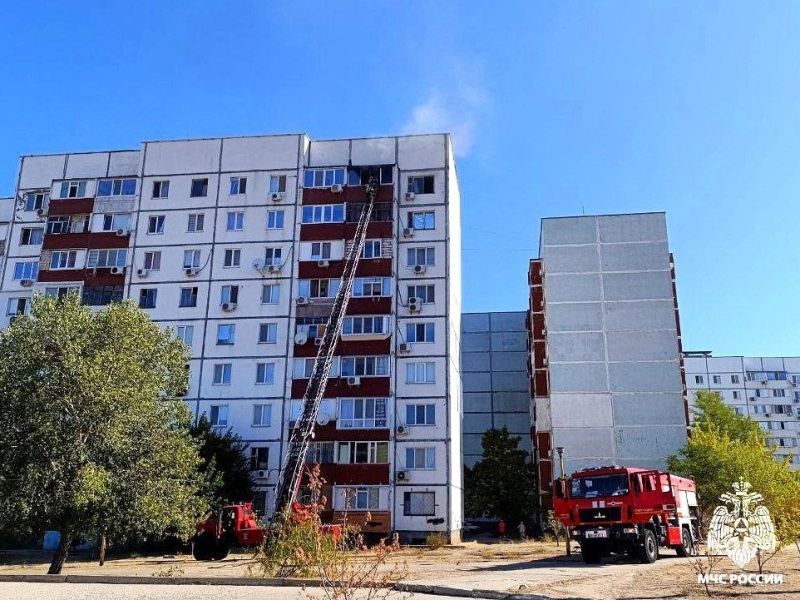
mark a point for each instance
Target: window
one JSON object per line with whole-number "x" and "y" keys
{"x": 115, "y": 222}
{"x": 106, "y": 258}
{"x": 362, "y": 175}
{"x": 102, "y": 295}
{"x": 325, "y": 213}
{"x": 421, "y": 184}
{"x": 277, "y": 184}
{"x": 362, "y": 452}
{"x": 31, "y": 236}
{"x": 265, "y": 373}
{"x": 235, "y": 221}
{"x": 147, "y": 298}
{"x": 188, "y": 297}
{"x": 161, "y": 189}
{"x": 233, "y": 257}
{"x": 360, "y": 498}
{"x": 116, "y": 187}
{"x": 17, "y": 306}
{"x": 362, "y": 413}
{"x": 420, "y": 372}
{"x": 425, "y": 293}
{"x": 222, "y": 374}
{"x": 229, "y": 294}
{"x": 372, "y": 249}
{"x": 26, "y": 270}
{"x": 152, "y": 260}
{"x": 420, "y": 458}
{"x": 698, "y": 379}
{"x": 419, "y": 504}
{"x": 372, "y": 286}
{"x": 272, "y": 257}
{"x": 259, "y": 458}
{"x": 421, "y": 414}
{"x": 736, "y": 395}
{"x": 191, "y": 259}
{"x": 370, "y": 325}
{"x": 61, "y": 291}
{"x": 778, "y": 393}
{"x": 185, "y": 333}
{"x": 323, "y": 177}
{"x": 270, "y": 293}
{"x": 267, "y": 333}
{"x": 734, "y": 379}
{"x": 420, "y": 332}
{"x": 365, "y": 366}
{"x": 318, "y": 288}
{"x": 321, "y": 453}
{"x": 36, "y": 200}
{"x": 155, "y": 224}
{"x": 58, "y": 225}
{"x": 196, "y": 222}
{"x": 262, "y": 415}
{"x": 422, "y": 220}
{"x": 738, "y": 410}
{"x": 274, "y": 219}
{"x": 238, "y": 186}
{"x": 73, "y": 189}
{"x": 226, "y": 334}
{"x": 421, "y": 256}
{"x": 219, "y": 415}
{"x": 717, "y": 379}
{"x": 320, "y": 250}
{"x": 199, "y": 188}
{"x": 63, "y": 259}
{"x": 303, "y": 367}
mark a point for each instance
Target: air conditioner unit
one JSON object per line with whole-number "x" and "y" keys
{"x": 142, "y": 272}
{"x": 768, "y": 415}
{"x": 261, "y": 474}
{"x": 276, "y": 196}
{"x": 354, "y": 381}
{"x": 402, "y": 476}
{"x": 414, "y": 304}
{"x": 39, "y": 212}
{"x": 302, "y": 301}
{"x": 117, "y": 270}
{"x": 26, "y": 282}
{"x": 191, "y": 272}
{"x": 323, "y": 263}
{"x": 402, "y": 429}
{"x": 404, "y": 347}
{"x": 410, "y": 196}
{"x": 753, "y": 398}
{"x": 12, "y": 319}
{"x": 408, "y": 232}
{"x": 318, "y": 341}
{"x": 337, "y": 188}
{"x": 293, "y": 424}
{"x": 300, "y": 338}
{"x": 274, "y": 269}
{"x": 228, "y": 306}
{"x": 122, "y": 232}
{"x": 420, "y": 269}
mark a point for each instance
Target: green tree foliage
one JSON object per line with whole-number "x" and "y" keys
{"x": 502, "y": 484}
{"x": 225, "y": 465}
{"x": 94, "y": 442}
{"x": 725, "y": 446}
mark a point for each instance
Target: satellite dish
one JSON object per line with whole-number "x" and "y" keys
{"x": 258, "y": 265}
{"x": 301, "y": 338}
{"x": 323, "y": 419}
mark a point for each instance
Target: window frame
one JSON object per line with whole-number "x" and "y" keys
{"x": 199, "y": 187}
{"x": 155, "y": 224}
{"x": 222, "y": 374}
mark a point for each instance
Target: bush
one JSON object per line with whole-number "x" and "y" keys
{"x": 436, "y": 540}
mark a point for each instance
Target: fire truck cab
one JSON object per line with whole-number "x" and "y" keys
{"x": 626, "y": 510}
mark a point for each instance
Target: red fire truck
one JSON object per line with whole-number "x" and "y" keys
{"x": 624, "y": 510}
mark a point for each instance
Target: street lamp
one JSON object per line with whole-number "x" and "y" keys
{"x": 560, "y": 451}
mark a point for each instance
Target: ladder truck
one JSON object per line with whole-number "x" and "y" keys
{"x": 236, "y": 524}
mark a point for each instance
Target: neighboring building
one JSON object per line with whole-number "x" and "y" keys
{"x": 765, "y": 389}
{"x": 494, "y": 374}
{"x": 237, "y": 244}
{"x": 6, "y": 214}
{"x": 605, "y": 344}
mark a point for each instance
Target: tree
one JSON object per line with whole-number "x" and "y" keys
{"x": 502, "y": 484}
{"x": 225, "y": 466}
{"x": 95, "y": 443}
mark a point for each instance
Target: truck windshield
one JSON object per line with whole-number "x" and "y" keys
{"x": 601, "y": 485}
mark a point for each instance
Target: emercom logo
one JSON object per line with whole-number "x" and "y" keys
{"x": 744, "y": 528}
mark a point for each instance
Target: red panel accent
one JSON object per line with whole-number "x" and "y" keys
{"x": 72, "y": 206}
{"x": 329, "y": 433}
{"x": 370, "y": 386}
{"x": 102, "y": 277}
{"x": 537, "y": 299}
{"x": 355, "y": 474}
{"x": 347, "y": 348}
{"x": 381, "y": 267}
{"x": 99, "y": 241}
{"x": 369, "y": 306}
{"x": 539, "y": 355}
{"x": 105, "y": 239}
{"x": 534, "y": 272}
{"x": 542, "y": 389}
{"x": 348, "y": 194}
{"x": 313, "y": 232}
{"x": 543, "y": 444}
{"x": 538, "y": 326}
{"x": 380, "y": 521}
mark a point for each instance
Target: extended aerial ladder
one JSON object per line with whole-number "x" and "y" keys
{"x": 302, "y": 433}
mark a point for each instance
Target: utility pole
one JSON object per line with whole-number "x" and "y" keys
{"x": 560, "y": 451}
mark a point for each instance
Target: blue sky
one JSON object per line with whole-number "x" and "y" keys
{"x": 556, "y": 109}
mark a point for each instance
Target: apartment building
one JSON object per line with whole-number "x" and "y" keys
{"x": 606, "y": 376}
{"x": 764, "y": 389}
{"x": 237, "y": 246}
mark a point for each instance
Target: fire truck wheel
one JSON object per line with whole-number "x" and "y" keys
{"x": 221, "y": 551}
{"x": 648, "y": 551}
{"x": 204, "y": 546}
{"x": 590, "y": 554}
{"x": 687, "y": 546}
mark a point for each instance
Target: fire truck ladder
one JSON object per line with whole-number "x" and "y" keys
{"x": 303, "y": 432}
